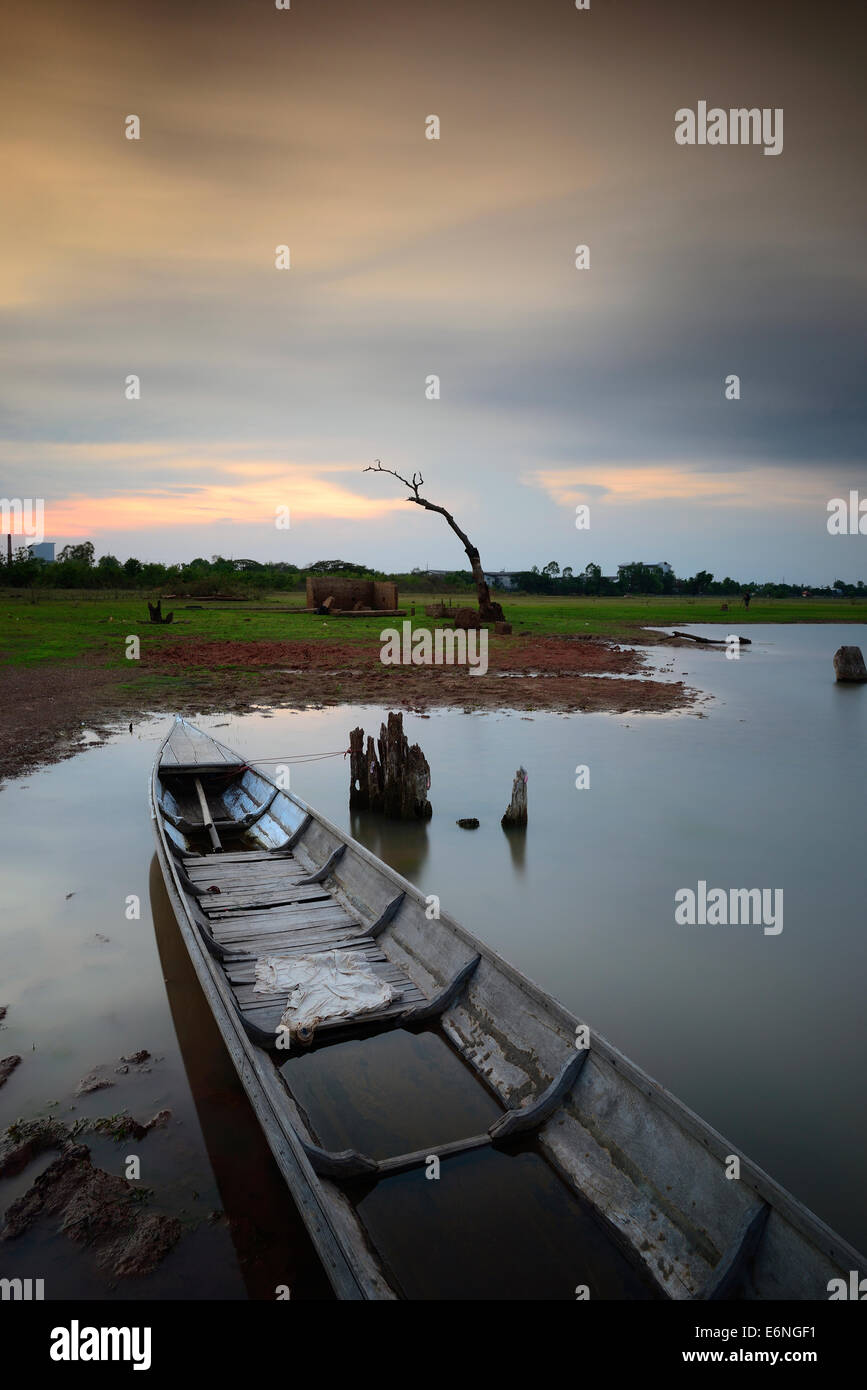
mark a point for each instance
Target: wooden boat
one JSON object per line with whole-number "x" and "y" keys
{"x": 253, "y": 871}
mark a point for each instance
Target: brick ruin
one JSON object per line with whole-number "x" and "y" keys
{"x": 349, "y": 594}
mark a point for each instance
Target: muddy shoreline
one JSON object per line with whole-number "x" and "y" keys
{"x": 50, "y": 712}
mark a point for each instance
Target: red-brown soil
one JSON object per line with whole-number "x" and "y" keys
{"x": 46, "y": 708}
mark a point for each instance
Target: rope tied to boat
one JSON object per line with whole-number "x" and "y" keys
{"x": 293, "y": 759}
{"x": 305, "y": 757}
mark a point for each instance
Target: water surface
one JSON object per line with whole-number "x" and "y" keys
{"x": 763, "y": 1035}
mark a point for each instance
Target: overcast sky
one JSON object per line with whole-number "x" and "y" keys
{"x": 264, "y": 388}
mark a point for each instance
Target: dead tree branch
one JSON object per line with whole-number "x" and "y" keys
{"x": 487, "y": 609}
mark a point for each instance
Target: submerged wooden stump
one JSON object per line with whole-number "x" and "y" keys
{"x": 359, "y": 790}
{"x": 374, "y": 777}
{"x": 391, "y": 776}
{"x": 849, "y": 664}
{"x": 516, "y": 811}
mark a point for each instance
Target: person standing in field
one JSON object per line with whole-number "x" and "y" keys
{"x": 747, "y": 597}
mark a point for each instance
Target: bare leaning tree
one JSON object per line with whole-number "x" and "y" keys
{"x": 488, "y": 610}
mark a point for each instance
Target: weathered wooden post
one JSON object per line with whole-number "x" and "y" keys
{"x": 405, "y": 773}
{"x": 396, "y": 781}
{"x": 849, "y": 664}
{"x": 359, "y": 792}
{"x": 374, "y": 777}
{"x": 516, "y": 811}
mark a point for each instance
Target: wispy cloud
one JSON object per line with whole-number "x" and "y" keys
{"x": 634, "y": 483}
{"x": 190, "y": 490}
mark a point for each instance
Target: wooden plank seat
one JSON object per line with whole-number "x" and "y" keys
{"x": 248, "y": 866}
{"x": 267, "y": 885}
{"x": 226, "y": 823}
{"x": 267, "y": 906}
{"x": 273, "y": 907}
{"x": 240, "y": 968}
{"x": 310, "y": 926}
{"x": 188, "y": 749}
{"x": 253, "y": 856}
{"x": 260, "y": 1012}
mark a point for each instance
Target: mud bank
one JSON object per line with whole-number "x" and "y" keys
{"x": 86, "y": 1204}
{"x": 50, "y": 712}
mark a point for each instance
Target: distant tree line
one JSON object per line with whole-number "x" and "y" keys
{"x": 637, "y": 578}
{"x": 76, "y": 567}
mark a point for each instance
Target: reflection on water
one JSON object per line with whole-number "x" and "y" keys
{"x": 494, "y": 1226}
{"x": 768, "y": 791}
{"x": 270, "y": 1240}
{"x": 516, "y": 839}
{"x": 403, "y": 843}
{"x": 390, "y": 1094}
{"x": 491, "y": 1225}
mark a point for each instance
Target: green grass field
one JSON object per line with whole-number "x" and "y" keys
{"x": 66, "y": 626}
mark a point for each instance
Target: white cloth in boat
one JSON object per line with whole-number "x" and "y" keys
{"x": 322, "y": 987}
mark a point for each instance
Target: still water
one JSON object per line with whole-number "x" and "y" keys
{"x": 763, "y": 1035}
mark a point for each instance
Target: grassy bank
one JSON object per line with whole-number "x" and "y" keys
{"x": 65, "y": 663}
{"x": 64, "y": 626}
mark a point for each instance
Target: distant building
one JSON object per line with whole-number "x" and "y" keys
{"x": 43, "y": 550}
{"x": 501, "y": 579}
{"x": 661, "y": 566}
{"x": 495, "y": 579}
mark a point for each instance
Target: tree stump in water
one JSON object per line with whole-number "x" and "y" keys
{"x": 849, "y": 664}
{"x": 374, "y": 778}
{"x": 516, "y": 811}
{"x": 405, "y": 773}
{"x": 359, "y": 788}
{"x": 365, "y": 774}
{"x": 390, "y": 776}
